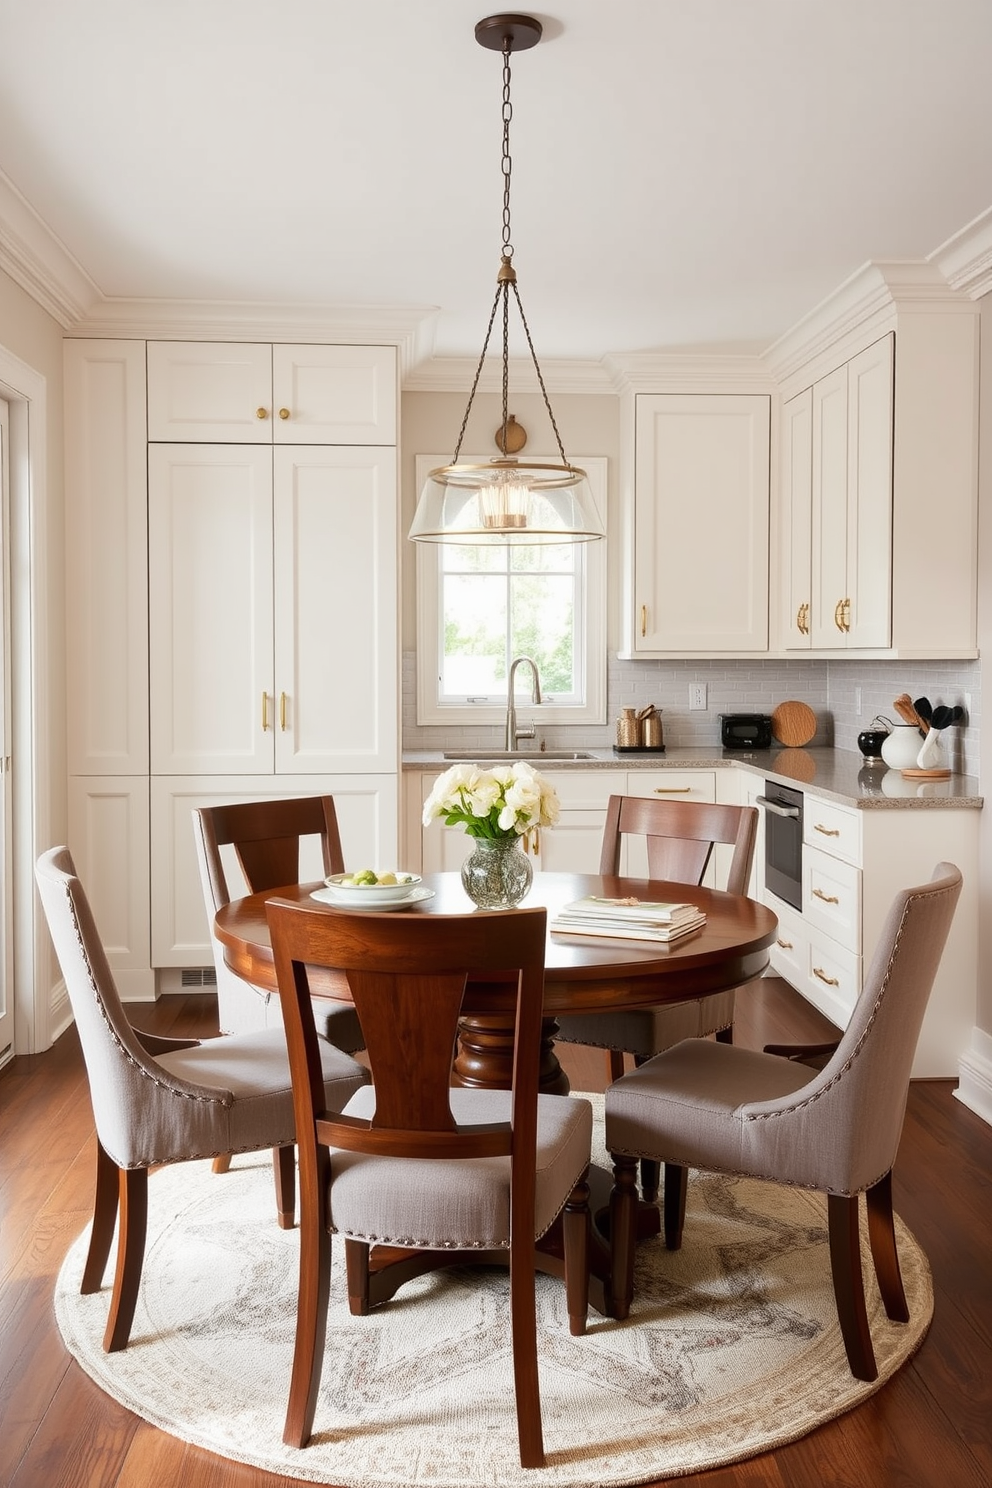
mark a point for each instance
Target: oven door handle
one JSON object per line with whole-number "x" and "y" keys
{"x": 776, "y": 808}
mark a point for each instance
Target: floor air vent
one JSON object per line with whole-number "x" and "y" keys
{"x": 199, "y": 976}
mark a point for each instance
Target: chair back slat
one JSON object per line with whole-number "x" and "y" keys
{"x": 680, "y": 837}
{"x": 266, "y": 837}
{"x": 407, "y": 975}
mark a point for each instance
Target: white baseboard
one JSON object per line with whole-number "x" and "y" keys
{"x": 975, "y": 1072}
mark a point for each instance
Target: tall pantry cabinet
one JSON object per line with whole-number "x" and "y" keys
{"x": 268, "y": 600}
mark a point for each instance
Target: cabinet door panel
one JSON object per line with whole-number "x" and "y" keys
{"x": 829, "y": 518}
{"x": 108, "y": 838}
{"x": 210, "y": 593}
{"x": 107, "y": 547}
{"x": 798, "y": 429}
{"x": 869, "y": 523}
{"x": 334, "y": 395}
{"x": 212, "y": 391}
{"x": 335, "y": 633}
{"x": 701, "y": 523}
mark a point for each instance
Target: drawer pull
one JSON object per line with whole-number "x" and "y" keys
{"x": 672, "y": 790}
{"x": 827, "y": 831}
{"x": 830, "y": 981}
{"x": 786, "y": 945}
{"x": 827, "y": 898}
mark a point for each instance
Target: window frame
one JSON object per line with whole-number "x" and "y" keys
{"x": 592, "y": 643}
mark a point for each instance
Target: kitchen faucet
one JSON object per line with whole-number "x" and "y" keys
{"x": 512, "y": 732}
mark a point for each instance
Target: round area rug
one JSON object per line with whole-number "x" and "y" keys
{"x": 732, "y": 1346}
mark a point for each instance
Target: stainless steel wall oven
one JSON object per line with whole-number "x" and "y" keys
{"x": 783, "y": 808}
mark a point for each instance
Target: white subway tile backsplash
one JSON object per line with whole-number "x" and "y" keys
{"x": 829, "y": 687}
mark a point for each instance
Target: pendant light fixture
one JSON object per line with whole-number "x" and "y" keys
{"x": 507, "y": 501}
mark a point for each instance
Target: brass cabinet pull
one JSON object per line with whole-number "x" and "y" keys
{"x": 838, "y": 615}
{"x": 261, "y": 413}
{"x": 827, "y": 898}
{"x": 284, "y": 413}
{"x": 827, "y": 831}
{"x": 830, "y": 981}
{"x": 802, "y": 619}
{"x": 644, "y": 620}
{"x": 846, "y": 615}
{"x": 265, "y": 712}
{"x": 282, "y": 711}
{"x": 785, "y": 944}
{"x": 672, "y": 790}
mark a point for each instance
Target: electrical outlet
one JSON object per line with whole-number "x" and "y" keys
{"x": 857, "y": 702}
{"x": 697, "y": 696}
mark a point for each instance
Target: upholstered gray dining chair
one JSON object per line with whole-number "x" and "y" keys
{"x": 466, "y": 1176}
{"x": 266, "y": 837}
{"x": 732, "y": 1110}
{"x": 162, "y": 1100}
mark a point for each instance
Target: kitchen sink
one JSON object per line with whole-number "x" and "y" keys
{"x": 494, "y": 756}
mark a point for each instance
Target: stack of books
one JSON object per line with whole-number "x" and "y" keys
{"x": 630, "y": 919}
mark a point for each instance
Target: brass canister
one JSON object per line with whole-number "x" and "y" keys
{"x": 628, "y": 729}
{"x": 652, "y": 733}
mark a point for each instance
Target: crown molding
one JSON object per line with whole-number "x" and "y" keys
{"x": 39, "y": 262}
{"x": 689, "y": 372}
{"x": 868, "y": 301}
{"x": 965, "y": 260}
{"x": 455, "y": 375}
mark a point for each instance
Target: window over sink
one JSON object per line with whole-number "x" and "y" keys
{"x": 477, "y": 608}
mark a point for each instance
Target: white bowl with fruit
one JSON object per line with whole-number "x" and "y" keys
{"x": 369, "y": 888}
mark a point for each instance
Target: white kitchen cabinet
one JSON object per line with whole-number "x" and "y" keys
{"x": 365, "y": 805}
{"x": 879, "y": 484}
{"x": 273, "y": 609}
{"x": 106, "y": 568}
{"x": 697, "y": 535}
{"x": 108, "y": 839}
{"x": 248, "y": 393}
{"x": 670, "y": 785}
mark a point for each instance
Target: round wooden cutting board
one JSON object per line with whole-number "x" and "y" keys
{"x": 793, "y": 724}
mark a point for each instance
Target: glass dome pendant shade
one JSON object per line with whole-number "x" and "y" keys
{"x": 506, "y": 501}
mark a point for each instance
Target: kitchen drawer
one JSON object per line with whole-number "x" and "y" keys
{"x": 674, "y": 785}
{"x": 833, "y": 978}
{"x": 832, "y": 829}
{"x": 789, "y": 952}
{"x": 588, "y": 790}
{"x": 832, "y": 897}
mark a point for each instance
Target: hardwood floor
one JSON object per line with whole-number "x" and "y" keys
{"x": 928, "y": 1428}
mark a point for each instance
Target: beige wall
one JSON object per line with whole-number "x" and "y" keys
{"x": 588, "y": 424}
{"x": 984, "y": 1012}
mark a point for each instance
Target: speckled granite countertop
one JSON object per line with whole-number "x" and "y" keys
{"x": 836, "y": 774}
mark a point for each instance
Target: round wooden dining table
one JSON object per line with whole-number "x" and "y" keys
{"x": 582, "y": 974}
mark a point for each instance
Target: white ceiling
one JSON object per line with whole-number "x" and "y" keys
{"x": 686, "y": 173}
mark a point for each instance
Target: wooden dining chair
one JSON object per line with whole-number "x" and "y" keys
{"x": 266, "y": 838}
{"x": 160, "y": 1100}
{"x": 403, "y": 1166}
{"x": 730, "y": 1110}
{"x": 680, "y": 837}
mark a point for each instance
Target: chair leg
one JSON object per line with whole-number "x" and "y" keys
{"x": 650, "y": 1179}
{"x": 882, "y": 1237}
{"x": 133, "y": 1203}
{"x": 311, "y": 1307}
{"x": 221, "y": 1163}
{"x": 676, "y": 1182}
{"x": 725, "y": 1035}
{"x": 356, "y": 1260}
{"x": 104, "y": 1220}
{"x": 575, "y": 1232}
{"x": 616, "y": 1063}
{"x": 523, "y": 1327}
{"x": 845, "y": 1264}
{"x": 284, "y": 1169}
{"x": 623, "y": 1212}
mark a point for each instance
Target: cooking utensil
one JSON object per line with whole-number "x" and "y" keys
{"x": 943, "y": 716}
{"x": 922, "y": 706}
{"x": 793, "y": 724}
{"x": 903, "y": 705}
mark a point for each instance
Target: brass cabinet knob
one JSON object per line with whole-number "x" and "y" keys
{"x": 261, "y": 413}
{"x": 284, "y": 413}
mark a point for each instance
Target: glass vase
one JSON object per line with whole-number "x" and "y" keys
{"x": 497, "y": 874}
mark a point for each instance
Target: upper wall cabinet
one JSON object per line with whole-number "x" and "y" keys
{"x": 697, "y": 527}
{"x": 243, "y": 393}
{"x": 879, "y": 495}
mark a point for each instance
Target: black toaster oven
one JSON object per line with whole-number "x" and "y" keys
{"x": 745, "y": 730}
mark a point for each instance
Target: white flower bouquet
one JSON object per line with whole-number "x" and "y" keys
{"x": 506, "y": 801}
